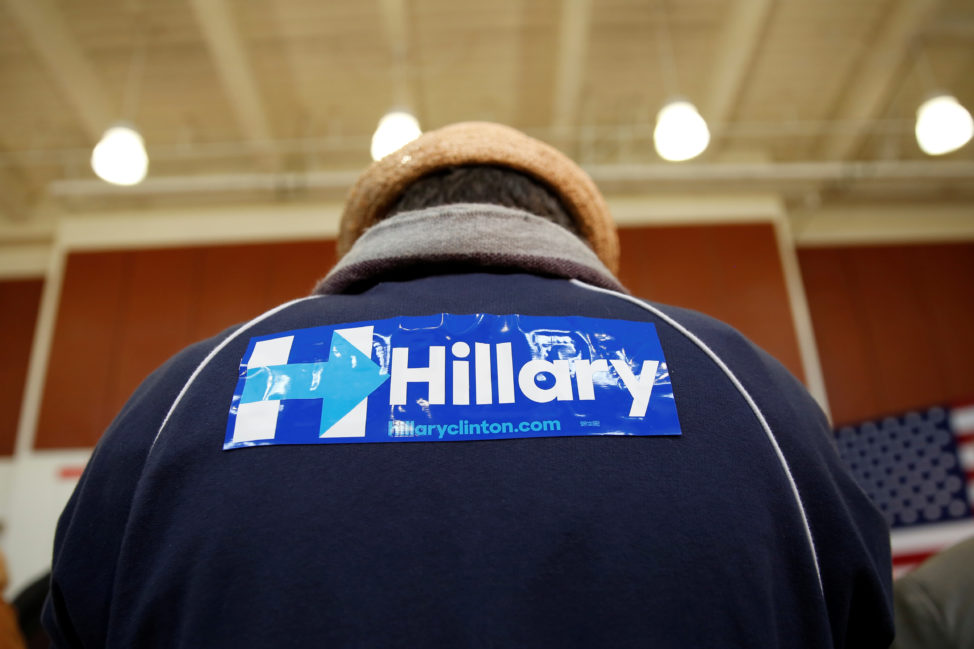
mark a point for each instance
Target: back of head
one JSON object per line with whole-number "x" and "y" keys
{"x": 484, "y": 184}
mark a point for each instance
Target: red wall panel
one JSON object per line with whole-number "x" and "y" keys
{"x": 79, "y": 371}
{"x": 124, "y": 313}
{"x": 19, "y": 304}
{"x": 893, "y": 324}
{"x": 730, "y": 272}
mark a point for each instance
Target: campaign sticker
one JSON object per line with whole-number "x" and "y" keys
{"x": 449, "y": 377}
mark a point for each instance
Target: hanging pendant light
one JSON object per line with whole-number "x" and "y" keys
{"x": 681, "y": 133}
{"x": 395, "y": 130}
{"x": 120, "y": 157}
{"x": 943, "y": 125}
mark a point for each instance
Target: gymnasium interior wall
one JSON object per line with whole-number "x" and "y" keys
{"x": 871, "y": 328}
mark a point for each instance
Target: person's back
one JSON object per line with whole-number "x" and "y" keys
{"x": 538, "y": 460}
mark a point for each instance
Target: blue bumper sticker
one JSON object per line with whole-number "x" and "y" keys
{"x": 447, "y": 378}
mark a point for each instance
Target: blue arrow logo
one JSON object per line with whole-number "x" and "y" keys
{"x": 342, "y": 383}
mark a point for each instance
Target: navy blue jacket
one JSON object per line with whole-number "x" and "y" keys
{"x": 730, "y": 535}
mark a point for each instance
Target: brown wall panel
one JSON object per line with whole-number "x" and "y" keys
{"x": 79, "y": 364}
{"x": 839, "y": 335}
{"x": 230, "y": 282}
{"x": 947, "y": 275}
{"x": 155, "y": 316}
{"x": 236, "y": 282}
{"x": 893, "y": 325}
{"x": 123, "y": 313}
{"x": 730, "y": 272}
{"x": 19, "y": 304}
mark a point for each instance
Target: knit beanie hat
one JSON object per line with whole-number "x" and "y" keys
{"x": 480, "y": 143}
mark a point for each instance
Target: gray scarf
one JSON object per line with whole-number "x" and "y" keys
{"x": 477, "y": 237}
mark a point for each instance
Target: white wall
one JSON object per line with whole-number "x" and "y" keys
{"x": 35, "y": 489}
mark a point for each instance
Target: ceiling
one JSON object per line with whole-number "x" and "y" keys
{"x": 277, "y": 99}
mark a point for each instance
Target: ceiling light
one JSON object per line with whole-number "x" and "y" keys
{"x": 395, "y": 130}
{"x": 943, "y": 125}
{"x": 681, "y": 133}
{"x": 120, "y": 157}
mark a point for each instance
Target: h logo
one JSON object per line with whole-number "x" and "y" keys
{"x": 342, "y": 384}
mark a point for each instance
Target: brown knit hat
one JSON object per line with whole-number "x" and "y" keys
{"x": 472, "y": 143}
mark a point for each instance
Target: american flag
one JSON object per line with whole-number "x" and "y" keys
{"x": 918, "y": 468}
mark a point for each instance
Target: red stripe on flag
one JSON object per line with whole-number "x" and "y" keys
{"x": 71, "y": 472}
{"x": 913, "y": 557}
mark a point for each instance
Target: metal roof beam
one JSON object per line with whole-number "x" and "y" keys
{"x": 743, "y": 174}
{"x": 15, "y": 202}
{"x": 223, "y": 38}
{"x": 66, "y": 62}
{"x": 573, "y": 39}
{"x": 869, "y": 89}
{"x": 393, "y": 13}
{"x": 734, "y": 56}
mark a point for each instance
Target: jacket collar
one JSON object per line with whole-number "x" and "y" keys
{"x": 474, "y": 237}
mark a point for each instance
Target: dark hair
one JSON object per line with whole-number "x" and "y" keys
{"x": 484, "y": 184}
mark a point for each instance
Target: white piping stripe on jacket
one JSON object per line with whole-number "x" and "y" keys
{"x": 750, "y": 401}
{"x": 214, "y": 352}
